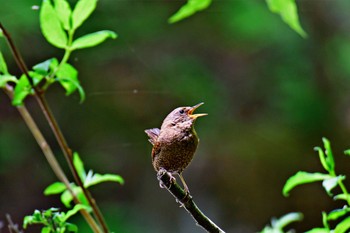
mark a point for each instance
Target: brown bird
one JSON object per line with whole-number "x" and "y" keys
{"x": 175, "y": 143}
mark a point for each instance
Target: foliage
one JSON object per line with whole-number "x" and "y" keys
{"x": 277, "y": 225}
{"x": 287, "y": 9}
{"x": 58, "y": 24}
{"x": 89, "y": 179}
{"x": 330, "y": 180}
{"x": 54, "y": 221}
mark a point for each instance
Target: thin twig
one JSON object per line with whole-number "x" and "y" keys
{"x": 187, "y": 202}
{"x": 39, "y": 96}
{"x": 13, "y": 228}
{"x": 50, "y": 157}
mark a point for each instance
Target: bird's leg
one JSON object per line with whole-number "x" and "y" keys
{"x": 160, "y": 173}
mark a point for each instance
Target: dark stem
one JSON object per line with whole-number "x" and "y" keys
{"x": 39, "y": 96}
{"x": 187, "y": 202}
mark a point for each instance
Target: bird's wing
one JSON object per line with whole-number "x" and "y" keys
{"x": 152, "y": 134}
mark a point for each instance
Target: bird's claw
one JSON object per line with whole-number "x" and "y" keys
{"x": 160, "y": 174}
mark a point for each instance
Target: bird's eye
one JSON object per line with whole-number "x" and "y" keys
{"x": 182, "y": 111}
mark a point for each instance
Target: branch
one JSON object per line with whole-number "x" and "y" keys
{"x": 187, "y": 202}
{"x": 13, "y": 228}
{"x": 39, "y": 96}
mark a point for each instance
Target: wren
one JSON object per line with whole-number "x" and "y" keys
{"x": 175, "y": 143}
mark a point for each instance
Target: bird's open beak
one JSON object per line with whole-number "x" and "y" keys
{"x": 194, "y": 116}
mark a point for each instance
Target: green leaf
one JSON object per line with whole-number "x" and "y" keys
{"x": 67, "y": 75}
{"x": 93, "y": 39}
{"x": 22, "y": 89}
{"x": 36, "y": 77}
{"x": 66, "y": 198}
{"x": 329, "y": 153}
{"x": 347, "y": 152}
{"x": 45, "y": 66}
{"x": 342, "y": 196}
{"x": 331, "y": 183}
{"x": 27, "y": 220}
{"x": 55, "y": 188}
{"x": 98, "y": 178}
{"x": 325, "y": 220}
{"x": 46, "y": 230}
{"x": 287, "y": 9}
{"x": 343, "y": 226}
{"x": 190, "y": 8}
{"x": 322, "y": 158}
{"x": 75, "y": 210}
{"x": 302, "y": 177}
{"x": 286, "y": 220}
{"x": 64, "y": 13}
{"x": 82, "y": 11}
{"x": 79, "y": 166}
{"x": 4, "y": 79}
{"x": 71, "y": 227}
{"x": 335, "y": 214}
{"x": 51, "y": 26}
{"x": 318, "y": 230}
{"x": 3, "y": 66}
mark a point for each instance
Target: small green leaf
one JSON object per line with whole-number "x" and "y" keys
{"x": 64, "y": 13}
{"x": 79, "y": 166}
{"x": 319, "y": 230}
{"x": 331, "y": 183}
{"x": 287, "y": 9}
{"x": 93, "y": 39}
{"x": 4, "y": 79}
{"x": 286, "y": 220}
{"x": 22, "y": 89}
{"x": 302, "y": 177}
{"x": 3, "y": 66}
{"x": 329, "y": 153}
{"x": 1, "y": 33}
{"x": 322, "y": 158}
{"x": 98, "y": 178}
{"x": 325, "y": 220}
{"x": 51, "y": 26}
{"x": 36, "y": 77}
{"x": 27, "y": 221}
{"x": 343, "y": 226}
{"x": 67, "y": 75}
{"x": 71, "y": 227}
{"x": 347, "y": 152}
{"x": 190, "y": 8}
{"x": 66, "y": 198}
{"x": 335, "y": 214}
{"x": 44, "y": 67}
{"x": 55, "y": 188}
{"x": 342, "y": 196}
{"x": 46, "y": 230}
{"x": 82, "y": 11}
{"x": 75, "y": 210}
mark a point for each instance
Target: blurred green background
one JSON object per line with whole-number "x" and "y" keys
{"x": 270, "y": 96}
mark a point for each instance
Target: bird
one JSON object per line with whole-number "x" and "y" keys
{"x": 176, "y": 142}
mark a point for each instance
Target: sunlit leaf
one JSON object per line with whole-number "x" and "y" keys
{"x": 302, "y": 177}
{"x": 190, "y": 8}
{"x": 45, "y": 66}
{"x": 79, "y": 166}
{"x": 347, "y": 152}
{"x": 22, "y": 89}
{"x": 331, "y": 183}
{"x": 4, "y": 79}
{"x": 46, "y": 230}
{"x": 51, "y": 26}
{"x": 71, "y": 227}
{"x": 75, "y": 210}
{"x": 82, "y": 11}
{"x": 3, "y": 66}
{"x": 335, "y": 214}
{"x": 329, "y": 153}
{"x": 36, "y": 77}
{"x": 287, "y": 9}
{"x": 286, "y": 220}
{"x": 55, "y": 188}
{"x": 98, "y": 178}
{"x": 67, "y": 75}
{"x": 92, "y": 39}
{"x": 342, "y": 196}
{"x": 318, "y": 230}
{"x": 322, "y": 158}
{"x": 343, "y": 226}
{"x": 63, "y": 12}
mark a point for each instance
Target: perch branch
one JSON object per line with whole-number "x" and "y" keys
{"x": 187, "y": 202}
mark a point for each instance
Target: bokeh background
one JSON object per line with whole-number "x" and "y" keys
{"x": 270, "y": 94}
